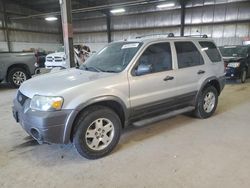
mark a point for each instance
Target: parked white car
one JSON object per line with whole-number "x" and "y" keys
{"x": 58, "y": 59}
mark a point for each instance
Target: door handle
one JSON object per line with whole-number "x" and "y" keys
{"x": 201, "y": 72}
{"x": 168, "y": 78}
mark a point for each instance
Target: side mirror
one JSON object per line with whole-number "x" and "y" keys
{"x": 143, "y": 69}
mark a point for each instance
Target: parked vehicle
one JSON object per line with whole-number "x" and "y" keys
{"x": 237, "y": 61}
{"x": 137, "y": 81}
{"x": 58, "y": 59}
{"x": 16, "y": 68}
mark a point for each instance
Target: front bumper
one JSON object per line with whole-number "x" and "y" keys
{"x": 50, "y": 65}
{"x": 232, "y": 73}
{"x": 45, "y": 127}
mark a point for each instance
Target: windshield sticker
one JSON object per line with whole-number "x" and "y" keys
{"x": 131, "y": 45}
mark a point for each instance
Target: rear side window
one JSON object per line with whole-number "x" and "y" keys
{"x": 211, "y": 51}
{"x": 188, "y": 55}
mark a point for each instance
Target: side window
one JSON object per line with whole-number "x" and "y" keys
{"x": 188, "y": 55}
{"x": 156, "y": 58}
{"x": 211, "y": 51}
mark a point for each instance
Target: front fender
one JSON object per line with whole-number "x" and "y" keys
{"x": 87, "y": 99}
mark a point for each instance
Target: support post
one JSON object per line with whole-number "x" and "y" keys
{"x": 5, "y": 26}
{"x": 60, "y": 29}
{"x": 108, "y": 19}
{"x": 66, "y": 16}
{"x": 183, "y": 10}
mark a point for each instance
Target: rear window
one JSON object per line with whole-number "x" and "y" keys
{"x": 211, "y": 51}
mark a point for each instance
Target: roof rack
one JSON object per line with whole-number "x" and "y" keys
{"x": 202, "y": 36}
{"x": 156, "y": 34}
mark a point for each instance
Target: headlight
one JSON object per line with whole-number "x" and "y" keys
{"x": 233, "y": 65}
{"x": 45, "y": 103}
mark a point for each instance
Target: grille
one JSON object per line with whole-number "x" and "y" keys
{"x": 21, "y": 98}
{"x": 58, "y": 59}
{"x": 54, "y": 58}
{"x": 50, "y": 59}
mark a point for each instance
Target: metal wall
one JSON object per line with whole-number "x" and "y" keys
{"x": 29, "y": 33}
{"x": 227, "y": 21}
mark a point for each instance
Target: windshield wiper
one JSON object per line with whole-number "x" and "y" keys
{"x": 112, "y": 71}
{"x": 90, "y": 67}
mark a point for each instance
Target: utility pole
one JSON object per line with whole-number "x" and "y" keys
{"x": 183, "y": 10}
{"x": 66, "y": 17}
{"x": 5, "y": 26}
{"x": 108, "y": 20}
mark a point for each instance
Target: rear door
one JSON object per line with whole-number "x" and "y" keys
{"x": 191, "y": 68}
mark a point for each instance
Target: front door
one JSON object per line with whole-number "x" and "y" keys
{"x": 152, "y": 81}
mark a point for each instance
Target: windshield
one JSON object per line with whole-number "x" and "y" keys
{"x": 234, "y": 51}
{"x": 112, "y": 58}
{"x": 60, "y": 49}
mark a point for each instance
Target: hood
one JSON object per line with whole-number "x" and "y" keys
{"x": 56, "y": 83}
{"x": 58, "y": 54}
{"x": 232, "y": 59}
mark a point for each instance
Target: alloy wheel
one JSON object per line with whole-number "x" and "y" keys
{"x": 19, "y": 77}
{"x": 209, "y": 102}
{"x": 99, "y": 134}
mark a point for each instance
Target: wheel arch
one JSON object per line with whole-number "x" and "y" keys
{"x": 112, "y": 102}
{"x": 212, "y": 81}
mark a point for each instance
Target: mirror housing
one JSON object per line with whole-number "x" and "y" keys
{"x": 143, "y": 69}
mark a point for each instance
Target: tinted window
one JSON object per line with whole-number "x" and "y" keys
{"x": 188, "y": 55}
{"x": 158, "y": 57}
{"x": 211, "y": 51}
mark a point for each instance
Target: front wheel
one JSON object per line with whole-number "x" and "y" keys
{"x": 17, "y": 76}
{"x": 97, "y": 132}
{"x": 207, "y": 102}
{"x": 243, "y": 76}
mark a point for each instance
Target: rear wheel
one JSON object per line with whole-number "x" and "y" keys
{"x": 17, "y": 76}
{"x": 97, "y": 132}
{"x": 207, "y": 102}
{"x": 243, "y": 76}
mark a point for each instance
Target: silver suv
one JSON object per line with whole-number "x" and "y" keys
{"x": 136, "y": 81}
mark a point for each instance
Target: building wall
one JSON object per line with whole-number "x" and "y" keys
{"x": 227, "y": 21}
{"x": 29, "y": 33}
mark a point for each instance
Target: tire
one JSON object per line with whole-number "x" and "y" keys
{"x": 243, "y": 76}
{"x": 17, "y": 76}
{"x": 93, "y": 136}
{"x": 206, "y": 109}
